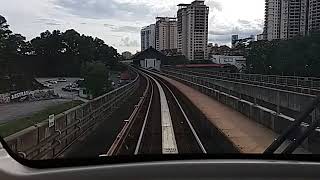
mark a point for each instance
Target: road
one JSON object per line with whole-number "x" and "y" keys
{"x": 15, "y": 111}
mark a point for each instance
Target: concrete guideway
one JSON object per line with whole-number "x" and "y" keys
{"x": 169, "y": 145}
{"x": 159, "y": 124}
{"x": 248, "y": 136}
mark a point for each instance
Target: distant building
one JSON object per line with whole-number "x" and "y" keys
{"x": 238, "y": 61}
{"x": 193, "y": 30}
{"x": 314, "y": 15}
{"x": 126, "y": 55}
{"x": 218, "y": 50}
{"x": 234, "y": 39}
{"x": 149, "y": 59}
{"x": 166, "y": 33}
{"x": 148, "y": 37}
{"x": 285, "y": 19}
{"x": 260, "y": 37}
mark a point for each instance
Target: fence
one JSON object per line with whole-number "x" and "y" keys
{"x": 43, "y": 142}
{"x": 305, "y": 85}
{"x": 27, "y": 95}
{"x": 307, "y": 82}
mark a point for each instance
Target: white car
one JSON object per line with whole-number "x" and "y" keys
{"x": 53, "y": 82}
{"x": 49, "y": 85}
{"x": 62, "y": 80}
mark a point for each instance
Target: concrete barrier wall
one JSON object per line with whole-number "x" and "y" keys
{"x": 299, "y": 84}
{"x": 270, "y": 118}
{"x": 290, "y": 102}
{"x": 42, "y": 142}
{"x": 307, "y": 82}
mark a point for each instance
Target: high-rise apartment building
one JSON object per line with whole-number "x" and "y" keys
{"x": 166, "y": 33}
{"x": 314, "y": 15}
{"x": 234, "y": 39}
{"x": 285, "y": 19}
{"x": 293, "y": 19}
{"x": 193, "y": 30}
{"x": 148, "y": 37}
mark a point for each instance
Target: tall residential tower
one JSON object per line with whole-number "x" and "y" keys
{"x": 314, "y": 15}
{"x": 193, "y": 30}
{"x": 285, "y": 19}
{"x": 166, "y": 33}
{"x": 148, "y": 37}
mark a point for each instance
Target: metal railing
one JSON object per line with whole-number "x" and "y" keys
{"x": 272, "y": 118}
{"x": 295, "y": 81}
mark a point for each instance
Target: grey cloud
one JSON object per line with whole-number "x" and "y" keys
{"x": 52, "y": 24}
{"x": 222, "y": 33}
{"x": 104, "y": 9}
{"x": 224, "y": 39}
{"x": 108, "y": 25}
{"x": 245, "y": 22}
{"x": 131, "y": 29}
{"x": 128, "y": 43}
{"x": 236, "y": 30}
{"x": 48, "y": 21}
{"x": 214, "y": 5}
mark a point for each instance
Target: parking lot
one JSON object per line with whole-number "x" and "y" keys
{"x": 14, "y": 111}
{"x": 58, "y": 87}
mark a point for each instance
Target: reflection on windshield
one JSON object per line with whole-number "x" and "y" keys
{"x": 192, "y": 85}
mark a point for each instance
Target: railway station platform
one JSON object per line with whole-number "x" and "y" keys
{"x": 246, "y": 135}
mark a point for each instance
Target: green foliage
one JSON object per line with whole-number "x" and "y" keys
{"x": 299, "y": 56}
{"x": 53, "y": 53}
{"x": 66, "y": 51}
{"x": 95, "y": 78}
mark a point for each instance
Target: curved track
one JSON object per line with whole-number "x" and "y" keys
{"x": 158, "y": 125}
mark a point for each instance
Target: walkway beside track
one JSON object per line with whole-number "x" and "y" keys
{"x": 247, "y": 135}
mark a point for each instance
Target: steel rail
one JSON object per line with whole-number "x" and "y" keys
{"x": 144, "y": 121}
{"x": 200, "y": 144}
{"x": 117, "y": 144}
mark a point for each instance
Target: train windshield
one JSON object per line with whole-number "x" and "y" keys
{"x": 183, "y": 79}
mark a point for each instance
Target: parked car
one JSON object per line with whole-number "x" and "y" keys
{"x": 67, "y": 88}
{"x": 62, "y": 80}
{"x": 53, "y": 81}
{"x": 49, "y": 85}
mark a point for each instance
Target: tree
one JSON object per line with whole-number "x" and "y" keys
{"x": 64, "y": 52}
{"x": 53, "y": 53}
{"x": 95, "y": 78}
{"x": 298, "y": 56}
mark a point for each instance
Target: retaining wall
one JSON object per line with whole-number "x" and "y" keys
{"x": 43, "y": 142}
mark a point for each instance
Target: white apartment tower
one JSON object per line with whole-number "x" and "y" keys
{"x": 314, "y": 15}
{"x": 293, "y": 18}
{"x": 193, "y": 30}
{"x": 272, "y": 19}
{"x": 148, "y": 37}
{"x": 166, "y": 33}
{"x": 285, "y": 19}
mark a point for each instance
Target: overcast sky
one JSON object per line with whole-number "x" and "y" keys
{"x": 118, "y": 22}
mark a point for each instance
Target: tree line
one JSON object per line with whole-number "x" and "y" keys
{"x": 53, "y": 53}
{"x": 299, "y": 56}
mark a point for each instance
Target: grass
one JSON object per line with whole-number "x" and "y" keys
{"x": 12, "y": 127}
